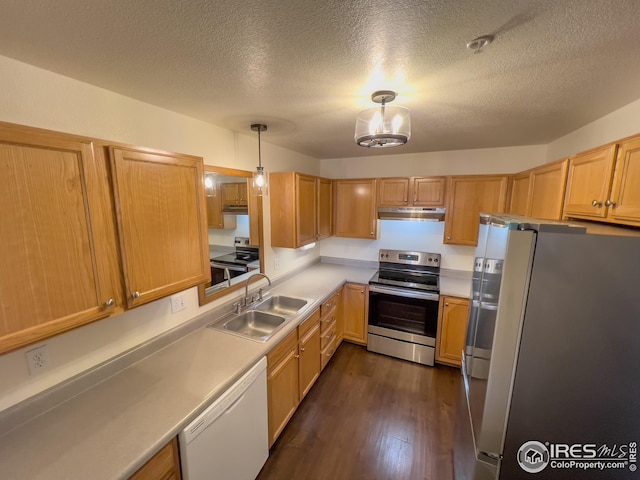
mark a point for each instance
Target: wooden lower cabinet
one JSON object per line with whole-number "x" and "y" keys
{"x": 293, "y": 366}
{"x": 164, "y": 465}
{"x": 354, "y": 312}
{"x": 452, "y": 330}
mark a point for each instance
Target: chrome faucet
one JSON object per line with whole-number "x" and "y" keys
{"x": 247, "y": 300}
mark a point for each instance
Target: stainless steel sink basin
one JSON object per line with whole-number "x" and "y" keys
{"x": 254, "y": 324}
{"x": 282, "y": 305}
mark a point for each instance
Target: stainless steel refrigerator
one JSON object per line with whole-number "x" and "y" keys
{"x": 551, "y": 365}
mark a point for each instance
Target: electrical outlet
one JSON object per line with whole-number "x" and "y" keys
{"x": 177, "y": 303}
{"x": 276, "y": 263}
{"x": 38, "y": 360}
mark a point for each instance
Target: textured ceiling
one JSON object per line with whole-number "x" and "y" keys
{"x": 307, "y": 67}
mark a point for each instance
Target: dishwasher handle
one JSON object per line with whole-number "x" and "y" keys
{"x": 224, "y": 403}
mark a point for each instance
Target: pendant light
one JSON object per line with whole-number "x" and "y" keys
{"x": 384, "y": 126}
{"x": 260, "y": 181}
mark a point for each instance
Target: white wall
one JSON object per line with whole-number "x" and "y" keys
{"x": 621, "y": 123}
{"x": 35, "y": 97}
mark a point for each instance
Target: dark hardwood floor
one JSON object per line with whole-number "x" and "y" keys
{"x": 370, "y": 417}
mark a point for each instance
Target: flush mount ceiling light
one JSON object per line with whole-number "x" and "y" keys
{"x": 477, "y": 44}
{"x": 260, "y": 183}
{"x": 384, "y": 126}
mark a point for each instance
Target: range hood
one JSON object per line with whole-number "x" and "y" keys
{"x": 419, "y": 214}
{"x": 235, "y": 210}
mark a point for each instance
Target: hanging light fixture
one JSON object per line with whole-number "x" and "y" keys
{"x": 260, "y": 183}
{"x": 383, "y": 126}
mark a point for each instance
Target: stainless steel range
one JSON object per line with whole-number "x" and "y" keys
{"x": 404, "y": 299}
{"x": 226, "y": 267}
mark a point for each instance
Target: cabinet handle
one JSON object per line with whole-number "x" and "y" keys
{"x": 609, "y": 203}
{"x": 110, "y": 303}
{"x": 446, "y": 304}
{"x": 136, "y": 295}
{"x": 448, "y": 238}
{"x": 301, "y": 349}
{"x": 371, "y": 234}
{"x": 415, "y": 199}
{"x": 596, "y": 203}
{"x": 297, "y": 356}
{"x": 329, "y": 354}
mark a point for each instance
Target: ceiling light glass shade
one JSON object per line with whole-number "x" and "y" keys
{"x": 260, "y": 184}
{"x": 210, "y": 185}
{"x": 383, "y": 126}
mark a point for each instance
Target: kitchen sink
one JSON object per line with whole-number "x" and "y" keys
{"x": 282, "y": 305}
{"x": 254, "y": 324}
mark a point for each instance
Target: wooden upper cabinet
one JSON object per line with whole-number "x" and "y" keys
{"x": 429, "y": 191}
{"x": 413, "y": 191}
{"x": 547, "y": 190}
{"x": 161, "y": 222}
{"x": 325, "y": 208}
{"x": 307, "y": 208}
{"x": 589, "y": 183}
{"x": 519, "y": 201}
{"x": 215, "y": 218}
{"x": 623, "y": 205}
{"x": 235, "y": 194}
{"x": 467, "y": 197}
{"x": 294, "y": 207}
{"x": 355, "y": 213}
{"x": 60, "y": 268}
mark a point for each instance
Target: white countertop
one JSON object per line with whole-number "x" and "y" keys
{"x": 113, "y": 428}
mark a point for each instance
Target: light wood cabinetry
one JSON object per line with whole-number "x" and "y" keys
{"x": 235, "y": 194}
{"x": 215, "y": 218}
{"x": 324, "y": 187}
{"x": 603, "y": 184}
{"x": 60, "y": 267}
{"x": 300, "y": 209}
{"x": 539, "y": 192}
{"x": 309, "y": 351}
{"x": 589, "y": 182}
{"x": 467, "y": 197}
{"x": 519, "y": 201}
{"x": 452, "y": 329}
{"x": 355, "y": 214}
{"x": 164, "y": 465}
{"x": 161, "y": 214}
{"x": 293, "y": 366}
{"x": 329, "y": 311}
{"x": 412, "y": 191}
{"x": 354, "y": 312}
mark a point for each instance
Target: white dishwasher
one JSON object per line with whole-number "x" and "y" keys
{"x": 230, "y": 439}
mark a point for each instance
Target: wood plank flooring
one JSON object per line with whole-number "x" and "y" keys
{"x": 370, "y": 417}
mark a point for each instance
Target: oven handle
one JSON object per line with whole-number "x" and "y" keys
{"x": 230, "y": 267}
{"x": 404, "y": 293}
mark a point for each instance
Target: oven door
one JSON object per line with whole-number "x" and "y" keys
{"x": 408, "y": 315}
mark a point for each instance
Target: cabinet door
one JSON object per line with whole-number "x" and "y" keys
{"x": 452, "y": 330}
{"x": 215, "y": 217}
{"x": 161, "y": 223}
{"x": 307, "y": 207}
{"x": 547, "y": 191}
{"x": 589, "y": 182}
{"x": 467, "y": 197}
{"x": 354, "y": 312}
{"x": 309, "y": 357}
{"x": 164, "y": 465}
{"x": 519, "y": 202}
{"x": 282, "y": 384}
{"x": 429, "y": 191}
{"x": 625, "y": 195}
{"x": 355, "y": 209}
{"x": 255, "y": 226}
{"x": 59, "y": 267}
{"x": 243, "y": 194}
{"x": 393, "y": 192}
{"x": 325, "y": 208}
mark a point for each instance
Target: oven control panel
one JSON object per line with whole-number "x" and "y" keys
{"x": 409, "y": 257}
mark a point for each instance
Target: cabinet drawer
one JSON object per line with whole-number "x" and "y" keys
{"x": 328, "y": 335}
{"x": 328, "y": 304}
{"x": 309, "y": 323}
{"x": 328, "y": 352}
{"x": 277, "y": 354}
{"x": 328, "y": 319}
